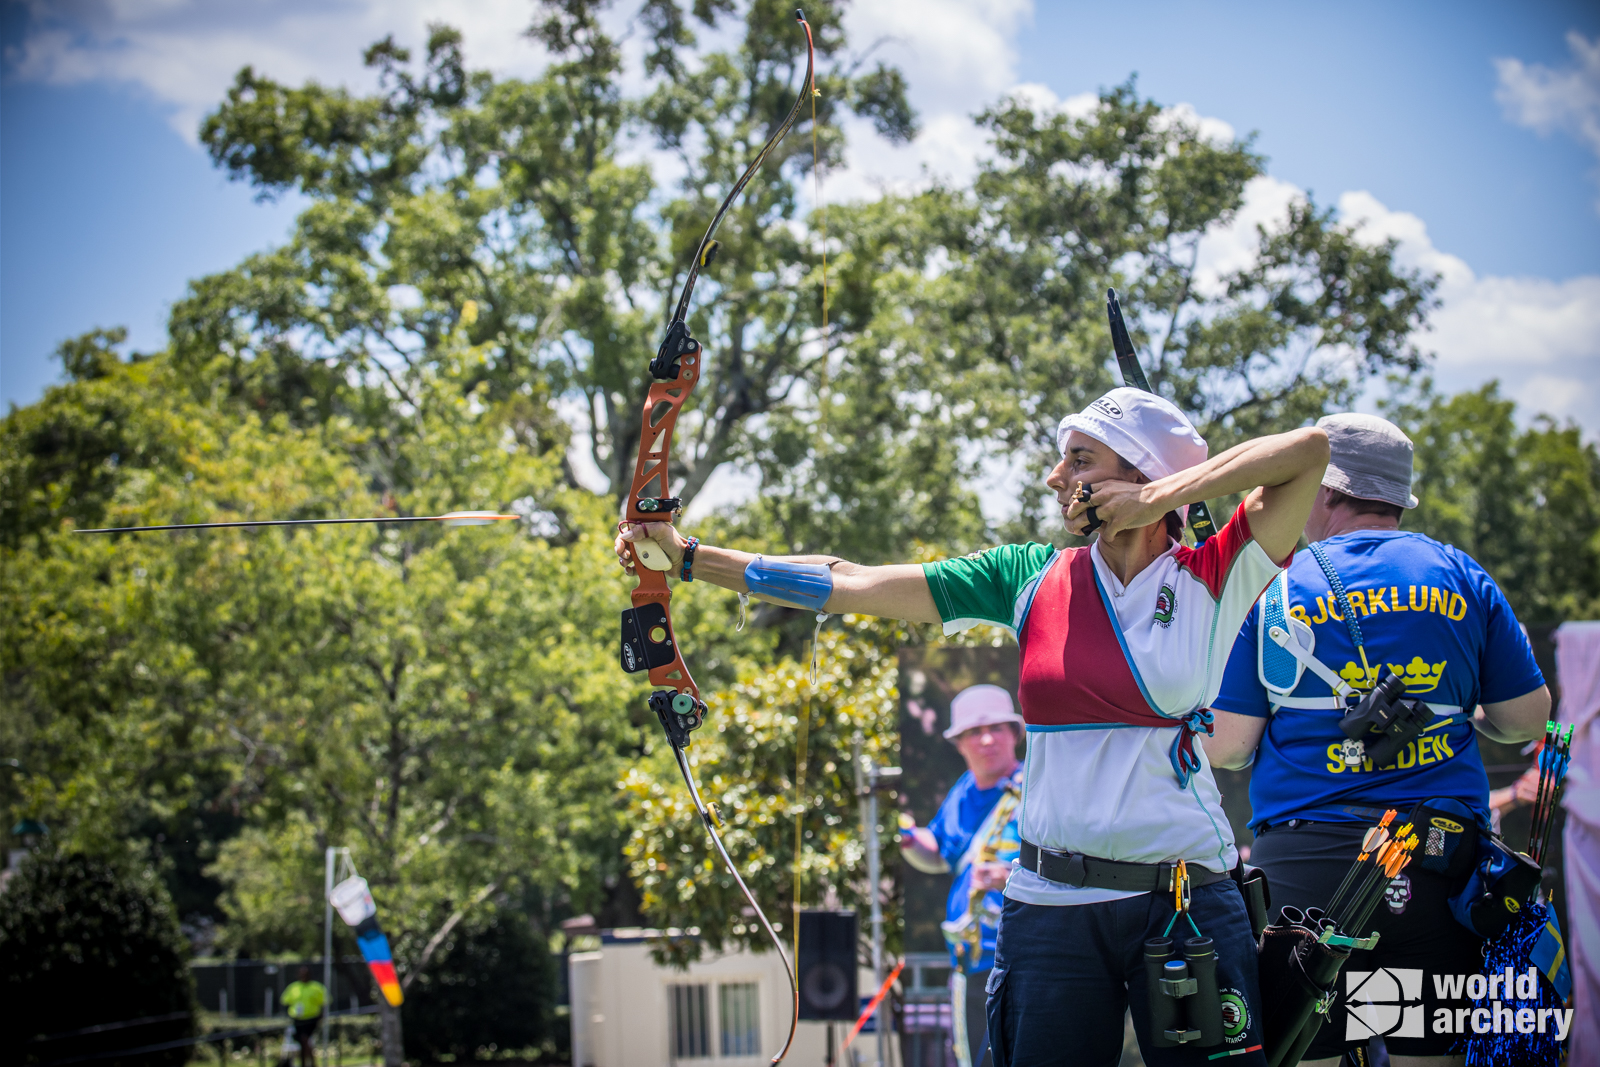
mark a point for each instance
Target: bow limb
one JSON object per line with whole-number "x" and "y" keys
{"x": 648, "y": 641}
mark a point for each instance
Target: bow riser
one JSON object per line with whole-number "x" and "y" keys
{"x": 647, "y": 636}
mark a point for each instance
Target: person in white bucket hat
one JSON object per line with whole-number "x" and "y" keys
{"x": 973, "y": 836}
{"x": 1122, "y": 646}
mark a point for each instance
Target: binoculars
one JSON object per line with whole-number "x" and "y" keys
{"x": 1182, "y": 983}
{"x": 1385, "y": 722}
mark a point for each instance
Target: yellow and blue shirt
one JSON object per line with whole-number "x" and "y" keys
{"x": 1428, "y": 612}
{"x": 964, "y": 811}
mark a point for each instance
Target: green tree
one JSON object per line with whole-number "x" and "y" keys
{"x": 1523, "y": 502}
{"x": 965, "y": 321}
{"x": 443, "y": 702}
{"x": 450, "y": 187}
{"x": 968, "y": 321}
{"x": 747, "y": 761}
{"x": 490, "y": 991}
{"x": 88, "y": 940}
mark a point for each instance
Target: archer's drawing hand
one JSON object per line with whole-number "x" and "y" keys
{"x": 1118, "y": 505}
{"x": 664, "y": 534}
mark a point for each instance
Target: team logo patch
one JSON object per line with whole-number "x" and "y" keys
{"x": 1107, "y": 407}
{"x": 1447, "y": 825}
{"x": 1235, "y": 1015}
{"x": 1166, "y": 604}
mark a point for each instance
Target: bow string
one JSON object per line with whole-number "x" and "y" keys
{"x": 648, "y": 640}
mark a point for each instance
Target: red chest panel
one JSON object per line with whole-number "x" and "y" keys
{"x": 1074, "y": 670}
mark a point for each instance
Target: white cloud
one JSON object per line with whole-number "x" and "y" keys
{"x": 1539, "y": 337}
{"x": 184, "y": 53}
{"x": 957, "y": 57}
{"x": 1546, "y": 100}
{"x": 1231, "y": 248}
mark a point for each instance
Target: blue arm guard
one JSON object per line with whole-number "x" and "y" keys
{"x": 806, "y": 584}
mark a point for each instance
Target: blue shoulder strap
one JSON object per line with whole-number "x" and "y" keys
{"x": 1280, "y": 671}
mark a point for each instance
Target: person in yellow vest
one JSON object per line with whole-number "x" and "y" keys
{"x": 304, "y": 998}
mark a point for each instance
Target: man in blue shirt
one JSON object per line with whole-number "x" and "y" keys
{"x": 975, "y": 835}
{"x": 1430, "y": 614}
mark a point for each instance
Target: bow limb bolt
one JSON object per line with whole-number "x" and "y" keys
{"x": 648, "y": 640}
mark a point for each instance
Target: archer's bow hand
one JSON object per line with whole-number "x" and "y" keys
{"x": 664, "y": 534}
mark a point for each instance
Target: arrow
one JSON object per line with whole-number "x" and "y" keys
{"x": 454, "y": 518}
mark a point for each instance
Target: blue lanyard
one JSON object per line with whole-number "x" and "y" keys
{"x": 1321, "y": 555}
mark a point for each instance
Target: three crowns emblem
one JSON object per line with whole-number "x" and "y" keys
{"x": 1419, "y": 676}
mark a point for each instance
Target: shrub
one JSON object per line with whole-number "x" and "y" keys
{"x": 86, "y": 941}
{"x": 490, "y": 991}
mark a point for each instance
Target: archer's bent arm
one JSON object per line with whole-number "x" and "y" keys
{"x": 896, "y": 591}
{"x": 1279, "y": 475}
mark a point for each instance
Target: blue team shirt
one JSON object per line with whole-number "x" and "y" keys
{"x": 1429, "y": 613}
{"x": 961, "y": 815}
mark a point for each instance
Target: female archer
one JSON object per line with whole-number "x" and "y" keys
{"x": 1123, "y": 646}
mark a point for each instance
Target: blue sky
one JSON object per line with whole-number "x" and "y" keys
{"x": 1471, "y": 132}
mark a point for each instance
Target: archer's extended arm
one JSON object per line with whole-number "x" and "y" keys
{"x": 896, "y": 591}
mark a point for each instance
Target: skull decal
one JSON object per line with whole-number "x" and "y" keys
{"x": 1397, "y": 894}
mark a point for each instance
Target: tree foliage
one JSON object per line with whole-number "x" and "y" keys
{"x": 445, "y": 706}
{"x": 450, "y": 187}
{"x": 964, "y": 321}
{"x": 88, "y": 940}
{"x": 1522, "y": 501}
{"x": 491, "y": 990}
{"x": 748, "y": 761}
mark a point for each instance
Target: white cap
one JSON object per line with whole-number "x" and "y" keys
{"x": 1143, "y": 428}
{"x": 980, "y": 705}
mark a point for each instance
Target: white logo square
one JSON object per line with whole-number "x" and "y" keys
{"x": 1383, "y": 1003}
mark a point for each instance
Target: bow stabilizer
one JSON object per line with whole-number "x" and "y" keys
{"x": 648, "y": 641}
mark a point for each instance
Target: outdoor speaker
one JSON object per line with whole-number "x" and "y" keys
{"x": 826, "y": 969}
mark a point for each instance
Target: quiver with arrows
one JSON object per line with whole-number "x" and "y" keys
{"x": 1299, "y": 978}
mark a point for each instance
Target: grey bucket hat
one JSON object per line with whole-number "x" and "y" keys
{"x": 1370, "y": 458}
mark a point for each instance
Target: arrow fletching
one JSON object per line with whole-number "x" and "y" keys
{"x": 473, "y": 518}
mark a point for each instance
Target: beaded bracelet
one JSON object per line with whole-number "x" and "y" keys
{"x": 687, "y": 574}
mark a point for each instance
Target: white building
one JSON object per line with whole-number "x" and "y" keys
{"x": 727, "y": 1010}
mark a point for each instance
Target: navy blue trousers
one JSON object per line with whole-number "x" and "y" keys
{"x": 1063, "y": 977}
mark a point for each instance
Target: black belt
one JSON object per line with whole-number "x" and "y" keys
{"x": 1362, "y": 814}
{"x": 1089, "y": 872}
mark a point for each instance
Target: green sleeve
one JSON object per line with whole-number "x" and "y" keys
{"x": 984, "y": 586}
